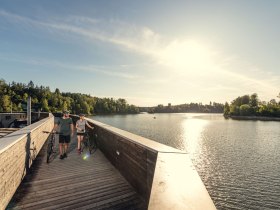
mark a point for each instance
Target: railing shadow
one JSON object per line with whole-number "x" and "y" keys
{"x": 31, "y": 157}
{"x": 27, "y": 156}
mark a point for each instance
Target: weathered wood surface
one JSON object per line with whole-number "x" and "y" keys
{"x": 135, "y": 162}
{"x": 76, "y": 182}
{"x": 162, "y": 175}
{"x": 18, "y": 150}
{"x": 178, "y": 189}
{"x": 6, "y": 131}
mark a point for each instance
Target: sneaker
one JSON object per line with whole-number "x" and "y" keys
{"x": 79, "y": 151}
{"x": 64, "y": 155}
{"x": 61, "y": 157}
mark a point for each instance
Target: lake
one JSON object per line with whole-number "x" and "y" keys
{"x": 238, "y": 161}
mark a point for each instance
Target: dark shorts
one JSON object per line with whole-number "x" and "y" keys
{"x": 64, "y": 139}
{"x": 81, "y": 134}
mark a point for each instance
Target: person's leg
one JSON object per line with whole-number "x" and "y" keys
{"x": 82, "y": 138}
{"x": 60, "y": 148}
{"x": 66, "y": 144}
{"x": 79, "y": 142}
{"x": 65, "y": 149}
{"x": 61, "y": 141}
{"x": 61, "y": 151}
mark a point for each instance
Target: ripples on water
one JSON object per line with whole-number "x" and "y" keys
{"x": 238, "y": 161}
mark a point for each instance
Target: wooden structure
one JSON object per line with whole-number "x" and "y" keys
{"x": 126, "y": 172}
{"x": 6, "y": 131}
{"x": 76, "y": 182}
{"x": 163, "y": 176}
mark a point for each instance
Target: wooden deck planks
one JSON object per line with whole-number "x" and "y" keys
{"x": 75, "y": 183}
{"x": 6, "y": 131}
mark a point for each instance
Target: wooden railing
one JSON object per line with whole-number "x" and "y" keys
{"x": 163, "y": 176}
{"x": 17, "y": 152}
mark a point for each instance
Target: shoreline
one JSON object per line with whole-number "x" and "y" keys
{"x": 261, "y": 118}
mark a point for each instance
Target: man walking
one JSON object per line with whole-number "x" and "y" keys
{"x": 65, "y": 133}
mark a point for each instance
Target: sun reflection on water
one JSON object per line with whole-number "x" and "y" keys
{"x": 192, "y": 130}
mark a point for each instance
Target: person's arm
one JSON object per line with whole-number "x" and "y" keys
{"x": 72, "y": 129}
{"x": 71, "y": 126}
{"x": 56, "y": 125}
{"x": 88, "y": 125}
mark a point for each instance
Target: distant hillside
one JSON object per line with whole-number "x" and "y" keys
{"x": 186, "y": 108}
{"x": 13, "y": 97}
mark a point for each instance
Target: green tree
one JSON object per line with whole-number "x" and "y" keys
{"x": 254, "y": 100}
{"x": 5, "y": 103}
{"x": 57, "y": 91}
{"x": 226, "y": 109}
{"x": 45, "y": 105}
{"x": 16, "y": 94}
{"x": 237, "y": 101}
{"x": 255, "y": 107}
{"x": 245, "y": 110}
{"x": 85, "y": 108}
{"x": 234, "y": 110}
{"x": 25, "y": 97}
{"x": 245, "y": 99}
{"x": 30, "y": 84}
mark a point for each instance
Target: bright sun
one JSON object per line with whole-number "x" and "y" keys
{"x": 187, "y": 56}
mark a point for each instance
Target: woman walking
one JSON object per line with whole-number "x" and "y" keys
{"x": 81, "y": 129}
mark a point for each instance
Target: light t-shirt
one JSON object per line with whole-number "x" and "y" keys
{"x": 81, "y": 126}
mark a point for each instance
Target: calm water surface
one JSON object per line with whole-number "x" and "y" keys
{"x": 238, "y": 161}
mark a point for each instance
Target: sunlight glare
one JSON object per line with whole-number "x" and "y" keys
{"x": 192, "y": 134}
{"x": 86, "y": 156}
{"x": 187, "y": 56}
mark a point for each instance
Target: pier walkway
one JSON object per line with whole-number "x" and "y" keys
{"x": 6, "y": 131}
{"x": 76, "y": 182}
{"x": 127, "y": 171}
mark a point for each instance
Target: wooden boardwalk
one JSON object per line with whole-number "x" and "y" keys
{"x": 76, "y": 182}
{"x": 6, "y": 131}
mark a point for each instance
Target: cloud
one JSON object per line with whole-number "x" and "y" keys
{"x": 184, "y": 62}
{"x": 138, "y": 39}
{"x": 105, "y": 70}
{"x": 14, "y": 17}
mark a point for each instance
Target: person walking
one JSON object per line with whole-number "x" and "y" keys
{"x": 81, "y": 129}
{"x": 65, "y": 133}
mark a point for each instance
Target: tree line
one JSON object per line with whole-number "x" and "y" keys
{"x": 184, "y": 108}
{"x": 251, "y": 105}
{"x": 13, "y": 97}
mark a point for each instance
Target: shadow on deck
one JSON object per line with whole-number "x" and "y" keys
{"x": 76, "y": 182}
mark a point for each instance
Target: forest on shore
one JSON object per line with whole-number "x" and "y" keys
{"x": 187, "y": 108}
{"x": 251, "y": 105}
{"x": 13, "y": 97}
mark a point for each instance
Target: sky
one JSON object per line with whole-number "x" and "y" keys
{"x": 148, "y": 52}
